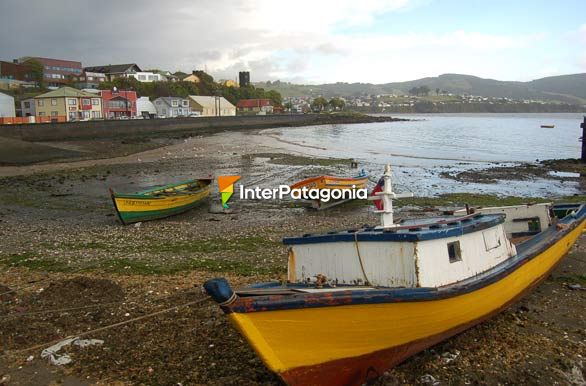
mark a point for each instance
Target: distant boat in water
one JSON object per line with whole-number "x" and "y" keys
{"x": 160, "y": 202}
{"x": 547, "y": 126}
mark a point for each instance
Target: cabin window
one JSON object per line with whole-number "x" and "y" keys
{"x": 492, "y": 239}
{"x": 534, "y": 225}
{"x": 454, "y": 252}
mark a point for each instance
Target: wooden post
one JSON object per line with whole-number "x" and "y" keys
{"x": 583, "y": 126}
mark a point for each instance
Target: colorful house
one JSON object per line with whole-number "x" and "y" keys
{"x": 192, "y": 78}
{"x": 211, "y": 106}
{"x": 172, "y": 107}
{"x": 7, "y": 109}
{"x": 119, "y": 104}
{"x": 229, "y": 83}
{"x": 259, "y": 106}
{"x": 66, "y": 105}
{"x": 145, "y": 108}
{"x": 90, "y": 80}
{"x": 27, "y": 107}
{"x": 113, "y": 71}
{"x": 148, "y": 77}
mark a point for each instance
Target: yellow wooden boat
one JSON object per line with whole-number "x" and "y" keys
{"x": 160, "y": 202}
{"x": 361, "y": 301}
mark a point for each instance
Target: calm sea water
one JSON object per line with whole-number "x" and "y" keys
{"x": 429, "y": 144}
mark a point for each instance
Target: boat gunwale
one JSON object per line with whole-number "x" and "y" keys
{"x": 299, "y": 300}
{"x": 325, "y": 176}
{"x": 454, "y": 227}
{"x": 142, "y": 195}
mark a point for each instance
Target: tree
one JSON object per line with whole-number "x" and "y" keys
{"x": 319, "y": 103}
{"x": 437, "y": 90}
{"x": 337, "y": 103}
{"x": 36, "y": 71}
{"x": 275, "y": 98}
{"x": 423, "y": 90}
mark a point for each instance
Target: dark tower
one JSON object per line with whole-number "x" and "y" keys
{"x": 244, "y": 78}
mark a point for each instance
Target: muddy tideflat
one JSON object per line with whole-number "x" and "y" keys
{"x": 63, "y": 248}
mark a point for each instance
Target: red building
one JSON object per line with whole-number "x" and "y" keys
{"x": 255, "y": 106}
{"x": 16, "y": 71}
{"x": 118, "y": 103}
{"x": 56, "y": 72}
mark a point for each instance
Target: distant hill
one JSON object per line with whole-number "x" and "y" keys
{"x": 566, "y": 88}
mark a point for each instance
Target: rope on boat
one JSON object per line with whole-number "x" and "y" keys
{"x": 85, "y": 333}
{"x": 360, "y": 257}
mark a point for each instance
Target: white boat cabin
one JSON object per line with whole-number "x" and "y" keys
{"x": 520, "y": 220}
{"x": 414, "y": 253}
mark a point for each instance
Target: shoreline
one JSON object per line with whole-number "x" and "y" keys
{"x": 63, "y": 247}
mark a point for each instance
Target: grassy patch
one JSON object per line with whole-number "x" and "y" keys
{"x": 34, "y": 262}
{"x": 242, "y": 244}
{"x": 22, "y": 200}
{"x": 465, "y": 198}
{"x": 452, "y": 199}
{"x": 140, "y": 267}
{"x": 297, "y": 160}
{"x": 579, "y": 198}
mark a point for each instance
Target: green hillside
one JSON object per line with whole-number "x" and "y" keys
{"x": 567, "y": 88}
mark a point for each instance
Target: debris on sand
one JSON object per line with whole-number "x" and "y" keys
{"x": 63, "y": 359}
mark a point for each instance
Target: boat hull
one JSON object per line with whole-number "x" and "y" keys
{"x": 352, "y": 344}
{"x": 137, "y": 208}
{"x": 331, "y": 183}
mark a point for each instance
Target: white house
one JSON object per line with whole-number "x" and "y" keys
{"x": 147, "y": 77}
{"x": 27, "y": 107}
{"x": 211, "y": 106}
{"x": 171, "y": 107}
{"x": 145, "y": 108}
{"x": 7, "y": 108}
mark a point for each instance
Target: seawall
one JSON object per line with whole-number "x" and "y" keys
{"x": 146, "y": 127}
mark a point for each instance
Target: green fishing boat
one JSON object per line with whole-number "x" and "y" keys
{"x": 161, "y": 201}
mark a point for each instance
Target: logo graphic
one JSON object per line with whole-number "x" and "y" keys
{"x": 226, "y": 184}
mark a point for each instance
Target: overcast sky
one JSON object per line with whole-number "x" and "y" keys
{"x": 306, "y": 41}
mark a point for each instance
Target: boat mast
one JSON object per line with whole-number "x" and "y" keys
{"x": 386, "y": 196}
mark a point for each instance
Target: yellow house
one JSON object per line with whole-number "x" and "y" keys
{"x": 211, "y": 106}
{"x": 192, "y": 78}
{"x": 68, "y": 104}
{"x": 229, "y": 83}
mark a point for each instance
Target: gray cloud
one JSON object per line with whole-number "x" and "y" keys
{"x": 299, "y": 41}
{"x": 181, "y": 34}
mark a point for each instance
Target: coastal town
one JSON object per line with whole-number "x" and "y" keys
{"x": 41, "y": 90}
{"x": 56, "y": 90}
